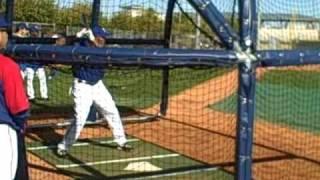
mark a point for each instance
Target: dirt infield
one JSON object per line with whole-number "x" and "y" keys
{"x": 193, "y": 129}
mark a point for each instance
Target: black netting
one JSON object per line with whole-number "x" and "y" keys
{"x": 287, "y": 127}
{"x": 195, "y": 139}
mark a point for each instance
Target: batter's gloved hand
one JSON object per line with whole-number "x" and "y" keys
{"x": 90, "y": 35}
{"x": 85, "y": 32}
{"x": 81, "y": 33}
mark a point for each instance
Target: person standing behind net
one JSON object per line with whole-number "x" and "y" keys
{"x": 60, "y": 40}
{"x": 38, "y": 69}
{"x": 89, "y": 89}
{"x": 14, "y": 111}
{"x": 22, "y": 32}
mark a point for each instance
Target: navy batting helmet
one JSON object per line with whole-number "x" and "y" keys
{"x": 99, "y": 31}
{"x": 22, "y": 26}
{"x": 34, "y": 28}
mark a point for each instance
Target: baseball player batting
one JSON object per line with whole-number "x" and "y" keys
{"x": 14, "y": 109}
{"x": 89, "y": 89}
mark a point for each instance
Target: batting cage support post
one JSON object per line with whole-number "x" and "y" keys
{"x": 246, "y": 92}
{"x": 9, "y": 16}
{"x": 165, "y": 72}
{"x": 95, "y": 13}
{"x": 164, "y": 92}
{"x": 245, "y": 24}
{"x": 168, "y": 23}
{"x": 246, "y": 106}
{"x": 254, "y": 25}
{"x": 216, "y": 21}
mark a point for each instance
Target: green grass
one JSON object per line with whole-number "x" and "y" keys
{"x": 211, "y": 175}
{"x": 131, "y": 89}
{"x": 58, "y": 92}
{"x": 289, "y": 98}
{"x": 103, "y": 152}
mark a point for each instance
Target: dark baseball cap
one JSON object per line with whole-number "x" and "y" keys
{"x": 22, "y": 26}
{"x": 99, "y": 31}
{"x": 34, "y": 28}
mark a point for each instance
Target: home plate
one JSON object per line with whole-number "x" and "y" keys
{"x": 142, "y": 167}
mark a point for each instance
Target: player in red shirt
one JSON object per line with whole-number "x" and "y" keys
{"x": 14, "y": 110}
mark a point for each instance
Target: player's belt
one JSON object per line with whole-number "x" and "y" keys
{"x": 82, "y": 81}
{"x": 85, "y": 81}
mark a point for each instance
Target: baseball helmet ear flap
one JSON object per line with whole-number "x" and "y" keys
{"x": 99, "y": 31}
{"x": 35, "y": 28}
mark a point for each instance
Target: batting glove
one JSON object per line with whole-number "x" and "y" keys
{"x": 90, "y": 35}
{"x": 82, "y": 33}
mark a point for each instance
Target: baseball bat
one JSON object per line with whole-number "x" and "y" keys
{"x": 84, "y": 21}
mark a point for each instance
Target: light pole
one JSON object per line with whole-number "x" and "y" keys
{"x": 198, "y": 19}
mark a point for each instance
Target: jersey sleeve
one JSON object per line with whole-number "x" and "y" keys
{"x": 14, "y": 91}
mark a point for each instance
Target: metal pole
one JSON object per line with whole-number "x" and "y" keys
{"x": 198, "y": 18}
{"x": 245, "y": 22}
{"x": 216, "y": 21}
{"x": 168, "y": 23}
{"x": 257, "y": 44}
{"x": 246, "y": 93}
{"x": 255, "y": 25}
{"x": 9, "y": 16}
{"x": 246, "y": 109}
{"x": 165, "y": 72}
{"x": 95, "y": 13}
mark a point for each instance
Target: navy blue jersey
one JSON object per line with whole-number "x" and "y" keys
{"x": 34, "y": 66}
{"x": 23, "y": 66}
{"x": 91, "y": 74}
{"x": 88, "y": 73}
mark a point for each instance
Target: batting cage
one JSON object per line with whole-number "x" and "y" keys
{"x": 171, "y": 89}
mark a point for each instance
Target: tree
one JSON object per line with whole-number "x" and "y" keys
{"x": 72, "y": 15}
{"x": 182, "y": 25}
{"x": 148, "y": 21}
{"x": 122, "y": 21}
{"x": 35, "y": 10}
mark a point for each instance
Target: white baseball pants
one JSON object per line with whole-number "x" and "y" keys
{"x": 9, "y": 152}
{"x": 84, "y": 95}
{"x": 42, "y": 79}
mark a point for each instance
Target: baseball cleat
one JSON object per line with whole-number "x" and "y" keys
{"x": 125, "y": 147}
{"x": 61, "y": 152}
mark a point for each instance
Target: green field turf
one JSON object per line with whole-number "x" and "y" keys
{"x": 131, "y": 89}
{"x": 113, "y": 162}
{"x": 216, "y": 175}
{"x": 289, "y": 98}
